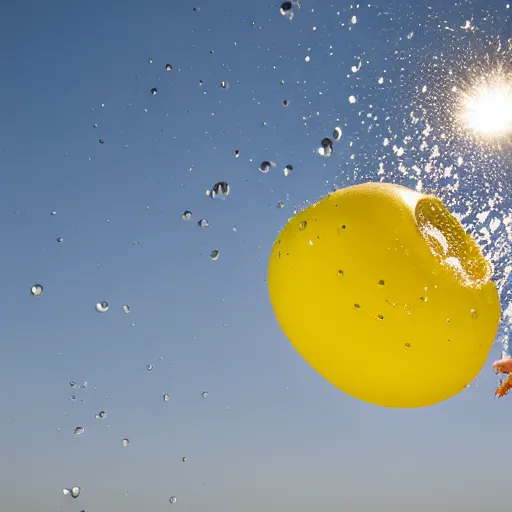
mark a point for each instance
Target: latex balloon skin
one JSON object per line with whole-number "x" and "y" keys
{"x": 381, "y": 290}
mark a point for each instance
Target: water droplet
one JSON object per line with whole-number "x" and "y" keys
{"x": 280, "y": 204}
{"x": 186, "y": 215}
{"x": 153, "y": 91}
{"x": 236, "y": 153}
{"x": 172, "y": 500}
{"x": 204, "y": 394}
{"x": 341, "y": 273}
{"x": 212, "y": 52}
{"x": 53, "y": 212}
{"x": 150, "y": 61}
{"x": 265, "y": 166}
{"x": 79, "y": 431}
{"x": 286, "y": 8}
{"x": 221, "y": 189}
{"x": 407, "y": 345}
{"x": 357, "y": 306}
{"x": 424, "y": 299}
{"x": 214, "y": 255}
{"x": 125, "y": 442}
{"x": 168, "y": 67}
{"x": 101, "y": 415}
{"x": 203, "y": 223}
{"x": 126, "y": 308}
{"x": 149, "y": 367}
{"x": 325, "y": 148}
{"x": 166, "y": 397}
{"x": 74, "y": 492}
{"x": 184, "y": 459}
{"x": 224, "y": 84}
{"x": 303, "y": 225}
{"x": 380, "y": 317}
{"x": 102, "y": 307}
{"x": 381, "y": 282}
{"x": 474, "y": 314}
{"x": 285, "y": 103}
{"x": 337, "y": 133}
{"x": 36, "y": 290}
{"x": 102, "y": 141}
{"x": 288, "y": 169}
{"x": 72, "y": 384}
{"x": 352, "y": 99}
{"x": 353, "y": 20}
{"x": 60, "y": 239}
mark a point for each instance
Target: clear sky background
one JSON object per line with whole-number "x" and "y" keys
{"x": 271, "y": 434}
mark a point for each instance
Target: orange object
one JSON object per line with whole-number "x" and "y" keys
{"x": 504, "y": 387}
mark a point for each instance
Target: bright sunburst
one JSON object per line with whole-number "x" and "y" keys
{"x": 487, "y": 109}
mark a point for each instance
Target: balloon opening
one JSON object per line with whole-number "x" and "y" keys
{"x": 449, "y": 242}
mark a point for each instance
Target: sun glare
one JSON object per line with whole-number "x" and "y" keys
{"x": 488, "y": 110}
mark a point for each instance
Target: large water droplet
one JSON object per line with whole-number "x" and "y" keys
{"x": 102, "y": 307}
{"x": 36, "y": 290}
{"x": 337, "y": 133}
{"x": 172, "y": 500}
{"x": 186, "y": 215}
{"x": 265, "y": 166}
{"x": 74, "y": 492}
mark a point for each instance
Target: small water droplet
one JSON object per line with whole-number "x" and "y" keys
{"x": 79, "y": 431}
{"x": 102, "y": 307}
{"x": 53, "y": 212}
{"x": 288, "y": 169}
{"x": 337, "y": 133}
{"x": 149, "y": 367}
{"x": 448, "y": 320}
{"x": 126, "y": 308}
{"x": 224, "y": 84}
{"x": 325, "y": 148}
{"x": 340, "y": 273}
{"x": 381, "y": 282}
{"x": 101, "y": 141}
{"x": 280, "y": 204}
{"x": 101, "y": 415}
{"x": 186, "y": 215}
{"x": 380, "y": 317}
{"x": 172, "y": 500}
{"x": 36, "y": 290}
{"x": 125, "y": 442}
{"x": 153, "y": 91}
{"x": 474, "y": 314}
{"x": 285, "y": 103}
{"x": 168, "y": 67}
{"x": 303, "y": 225}
{"x": 407, "y": 345}
{"x": 72, "y": 384}
{"x": 75, "y": 492}
{"x": 184, "y": 459}
{"x": 60, "y": 239}
{"x": 424, "y": 299}
{"x": 357, "y": 306}
{"x": 166, "y": 397}
{"x": 265, "y": 166}
{"x": 214, "y": 255}
{"x": 204, "y": 394}
{"x": 203, "y": 223}
{"x": 286, "y": 8}
{"x": 352, "y": 99}
{"x": 221, "y": 189}
{"x": 236, "y": 153}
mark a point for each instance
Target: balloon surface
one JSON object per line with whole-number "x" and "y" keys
{"x": 382, "y": 292}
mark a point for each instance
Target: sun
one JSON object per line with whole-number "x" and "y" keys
{"x": 487, "y": 109}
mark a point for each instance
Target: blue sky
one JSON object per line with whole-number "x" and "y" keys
{"x": 271, "y": 434}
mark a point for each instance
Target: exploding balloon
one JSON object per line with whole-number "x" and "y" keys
{"x": 383, "y": 293}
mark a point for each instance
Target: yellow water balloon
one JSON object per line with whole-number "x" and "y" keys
{"x": 381, "y": 290}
